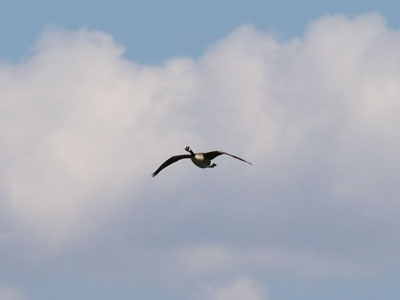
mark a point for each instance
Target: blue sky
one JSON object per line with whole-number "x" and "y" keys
{"x": 95, "y": 95}
{"x": 154, "y": 31}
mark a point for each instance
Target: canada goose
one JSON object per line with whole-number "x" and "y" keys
{"x": 202, "y": 160}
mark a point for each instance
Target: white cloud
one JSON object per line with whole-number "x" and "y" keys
{"x": 79, "y": 124}
{"x": 82, "y": 128}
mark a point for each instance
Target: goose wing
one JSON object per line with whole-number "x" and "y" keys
{"x": 170, "y": 161}
{"x": 213, "y": 154}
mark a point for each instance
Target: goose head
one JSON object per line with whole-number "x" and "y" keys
{"x": 189, "y": 150}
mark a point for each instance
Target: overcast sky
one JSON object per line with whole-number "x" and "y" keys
{"x": 94, "y": 97}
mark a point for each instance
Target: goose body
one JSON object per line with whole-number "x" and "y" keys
{"x": 201, "y": 160}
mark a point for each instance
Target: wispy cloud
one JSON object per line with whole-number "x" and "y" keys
{"x": 10, "y": 293}
{"x": 241, "y": 288}
{"x": 212, "y": 259}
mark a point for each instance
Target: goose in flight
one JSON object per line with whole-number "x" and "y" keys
{"x": 202, "y": 160}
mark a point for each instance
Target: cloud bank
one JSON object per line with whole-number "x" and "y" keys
{"x": 82, "y": 128}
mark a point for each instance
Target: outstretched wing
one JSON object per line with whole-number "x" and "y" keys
{"x": 170, "y": 161}
{"x": 213, "y": 154}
